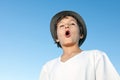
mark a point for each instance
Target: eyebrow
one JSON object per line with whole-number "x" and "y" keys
{"x": 67, "y": 18}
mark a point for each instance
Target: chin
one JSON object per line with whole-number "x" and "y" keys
{"x": 69, "y": 44}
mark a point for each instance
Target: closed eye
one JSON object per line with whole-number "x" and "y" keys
{"x": 72, "y": 23}
{"x": 61, "y": 26}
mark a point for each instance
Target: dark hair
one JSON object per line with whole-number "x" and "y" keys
{"x": 59, "y": 16}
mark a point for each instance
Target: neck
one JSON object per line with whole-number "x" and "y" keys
{"x": 69, "y": 52}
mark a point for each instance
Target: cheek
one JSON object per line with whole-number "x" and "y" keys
{"x": 76, "y": 33}
{"x": 76, "y": 30}
{"x": 59, "y": 33}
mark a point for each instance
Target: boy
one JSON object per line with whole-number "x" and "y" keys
{"x": 68, "y": 30}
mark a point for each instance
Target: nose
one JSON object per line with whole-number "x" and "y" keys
{"x": 66, "y": 26}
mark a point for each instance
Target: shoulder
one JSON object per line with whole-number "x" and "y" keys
{"x": 97, "y": 57}
{"x": 49, "y": 64}
{"x": 95, "y": 54}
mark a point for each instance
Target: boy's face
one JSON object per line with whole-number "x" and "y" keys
{"x": 68, "y": 32}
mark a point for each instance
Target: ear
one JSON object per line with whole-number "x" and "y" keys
{"x": 81, "y": 36}
{"x": 57, "y": 40}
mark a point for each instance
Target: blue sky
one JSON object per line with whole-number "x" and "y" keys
{"x": 25, "y": 39}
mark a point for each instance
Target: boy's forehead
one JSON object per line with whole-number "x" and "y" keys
{"x": 70, "y": 18}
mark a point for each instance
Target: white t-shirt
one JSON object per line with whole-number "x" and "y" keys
{"x": 88, "y": 65}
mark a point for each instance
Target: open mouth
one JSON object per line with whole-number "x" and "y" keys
{"x": 67, "y": 34}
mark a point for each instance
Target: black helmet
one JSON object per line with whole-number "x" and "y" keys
{"x": 63, "y": 14}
